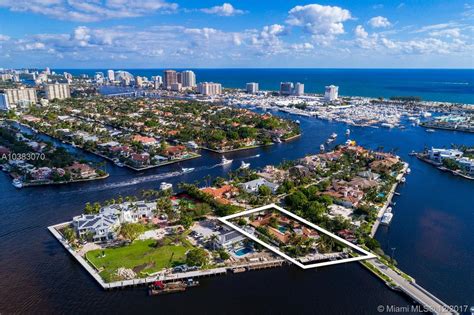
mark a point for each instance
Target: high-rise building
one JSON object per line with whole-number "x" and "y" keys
{"x": 176, "y": 87}
{"x": 179, "y": 77}
{"x": 4, "y": 105}
{"x": 47, "y": 70}
{"x": 331, "y": 93}
{"x": 209, "y": 88}
{"x": 57, "y": 90}
{"x": 286, "y": 88}
{"x": 188, "y": 78}
{"x": 20, "y": 96}
{"x": 169, "y": 77}
{"x": 299, "y": 89}
{"x": 99, "y": 77}
{"x": 252, "y": 87}
{"x": 111, "y": 75}
{"x": 138, "y": 81}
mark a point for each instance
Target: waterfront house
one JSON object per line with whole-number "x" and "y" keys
{"x": 438, "y": 155}
{"x": 140, "y": 159}
{"x": 227, "y": 238}
{"x": 467, "y": 165}
{"x": 42, "y": 173}
{"x": 222, "y": 194}
{"x": 253, "y": 185}
{"x": 99, "y": 226}
{"x": 81, "y": 170}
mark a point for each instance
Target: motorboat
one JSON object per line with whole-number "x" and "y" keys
{"x": 430, "y": 130}
{"x": 187, "y": 169}
{"x": 321, "y": 147}
{"x": 408, "y": 170}
{"x": 386, "y": 218}
{"x": 348, "y": 132}
{"x": 403, "y": 180}
{"x": 17, "y": 183}
{"x": 244, "y": 165}
{"x": 225, "y": 161}
{"x": 333, "y": 135}
{"x": 165, "y": 186}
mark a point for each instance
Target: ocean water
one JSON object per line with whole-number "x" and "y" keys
{"x": 448, "y": 85}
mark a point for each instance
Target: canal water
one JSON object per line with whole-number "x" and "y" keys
{"x": 431, "y": 238}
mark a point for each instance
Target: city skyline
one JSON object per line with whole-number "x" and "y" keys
{"x": 179, "y": 34}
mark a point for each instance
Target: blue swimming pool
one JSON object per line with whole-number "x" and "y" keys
{"x": 282, "y": 229}
{"x": 243, "y": 251}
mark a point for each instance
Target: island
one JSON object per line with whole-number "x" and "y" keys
{"x": 145, "y": 132}
{"x": 31, "y": 161}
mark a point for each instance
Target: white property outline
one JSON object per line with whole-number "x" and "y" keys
{"x": 368, "y": 255}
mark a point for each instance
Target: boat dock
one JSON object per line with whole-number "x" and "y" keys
{"x": 387, "y": 203}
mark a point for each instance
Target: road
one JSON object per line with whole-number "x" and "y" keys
{"x": 416, "y": 292}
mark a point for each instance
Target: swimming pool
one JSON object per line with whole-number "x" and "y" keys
{"x": 282, "y": 229}
{"x": 243, "y": 251}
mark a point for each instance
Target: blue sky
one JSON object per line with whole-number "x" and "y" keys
{"x": 209, "y": 34}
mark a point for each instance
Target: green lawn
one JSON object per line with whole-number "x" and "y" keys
{"x": 141, "y": 256}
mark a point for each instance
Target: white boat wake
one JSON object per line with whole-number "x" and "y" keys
{"x": 135, "y": 181}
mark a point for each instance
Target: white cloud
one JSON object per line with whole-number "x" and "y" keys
{"x": 450, "y": 32}
{"x": 226, "y": 9}
{"x": 89, "y": 10}
{"x": 379, "y": 21}
{"x": 360, "y": 32}
{"x": 322, "y": 22}
{"x": 302, "y": 47}
{"x": 4, "y": 38}
{"x": 268, "y": 41}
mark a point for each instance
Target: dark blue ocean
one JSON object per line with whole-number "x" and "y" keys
{"x": 448, "y": 85}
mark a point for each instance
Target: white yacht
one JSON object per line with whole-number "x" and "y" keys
{"x": 165, "y": 186}
{"x": 187, "y": 169}
{"x": 408, "y": 170}
{"x": 321, "y": 147}
{"x": 225, "y": 161}
{"x": 386, "y": 218}
{"x": 17, "y": 183}
{"x": 244, "y": 165}
{"x": 430, "y": 130}
{"x": 348, "y": 132}
{"x": 403, "y": 179}
{"x": 333, "y": 135}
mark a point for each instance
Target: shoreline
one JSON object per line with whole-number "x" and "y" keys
{"x": 440, "y": 167}
{"x": 100, "y": 154}
{"x": 26, "y": 184}
{"x": 388, "y": 201}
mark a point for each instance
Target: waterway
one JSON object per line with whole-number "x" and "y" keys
{"x": 431, "y": 233}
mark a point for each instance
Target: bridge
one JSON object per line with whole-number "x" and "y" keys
{"x": 426, "y": 299}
